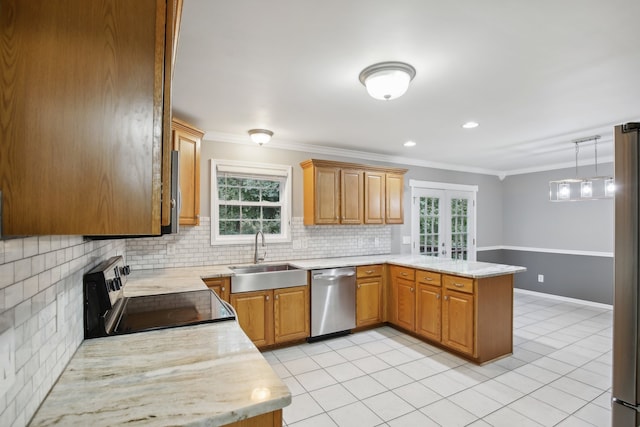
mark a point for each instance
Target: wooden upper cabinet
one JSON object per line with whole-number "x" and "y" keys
{"x": 350, "y": 193}
{"x": 351, "y": 187}
{"x": 374, "y": 197}
{"x": 82, "y": 144}
{"x": 187, "y": 140}
{"x": 394, "y": 211}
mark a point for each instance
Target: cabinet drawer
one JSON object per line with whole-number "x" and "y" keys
{"x": 403, "y": 272}
{"x": 428, "y": 278}
{"x": 460, "y": 284}
{"x": 368, "y": 271}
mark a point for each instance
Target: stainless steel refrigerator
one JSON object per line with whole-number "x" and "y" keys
{"x": 626, "y": 306}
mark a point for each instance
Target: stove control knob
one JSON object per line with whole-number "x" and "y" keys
{"x": 118, "y": 283}
{"x": 126, "y": 270}
{"x": 111, "y": 284}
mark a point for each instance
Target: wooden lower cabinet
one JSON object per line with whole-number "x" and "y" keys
{"x": 255, "y": 315}
{"x": 291, "y": 314}
{"x": 270, "y": 419}
{"x": 273, "y": 316}
{"x": 403, "y": 297}
{"x": 429, "y": 312}
{"x": 221, "y": 286}
{"x": 457, "y": 321}
{"x": 369, "y": 295}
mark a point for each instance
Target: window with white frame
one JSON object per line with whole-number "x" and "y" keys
{"x": 249, "y": 197}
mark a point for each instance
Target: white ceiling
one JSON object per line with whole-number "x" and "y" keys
{"x": 535, "y": 74}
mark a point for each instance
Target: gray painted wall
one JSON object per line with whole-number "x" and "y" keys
{"x": 489, "y": 201}
{"x": 531, "y": 220}
{"x": 575, "y": 276}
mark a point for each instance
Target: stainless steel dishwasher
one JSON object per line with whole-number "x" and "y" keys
{"x": 333, "y": 301}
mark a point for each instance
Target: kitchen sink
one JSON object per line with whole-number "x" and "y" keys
{"x": 260, "y": 277}
{"x": 262, "y": 268}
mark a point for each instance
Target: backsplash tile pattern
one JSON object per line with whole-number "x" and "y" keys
{"x": 41, "y": 302}
{"x": 192, "y": 246}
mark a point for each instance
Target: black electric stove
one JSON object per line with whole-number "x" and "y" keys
{"x": 108, "y": 312}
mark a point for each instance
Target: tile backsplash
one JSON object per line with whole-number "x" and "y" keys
{"x": 192, "y": 246}
{"x": 41, "y": 314}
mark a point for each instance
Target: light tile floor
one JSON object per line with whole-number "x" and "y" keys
{"x": 559, "y": 375}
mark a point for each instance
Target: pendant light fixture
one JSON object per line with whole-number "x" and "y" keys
{"x": 580, "y": 189}
{"x": 260, "y": 136}
{"x": 387, "y": 80}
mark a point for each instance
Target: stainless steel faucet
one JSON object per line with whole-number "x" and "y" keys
{"x": 257, "y": 259}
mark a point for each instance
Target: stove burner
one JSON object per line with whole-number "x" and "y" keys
{"x": 108, "y": 312}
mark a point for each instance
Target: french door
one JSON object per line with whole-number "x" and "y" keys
{"x": 443, "y": 223}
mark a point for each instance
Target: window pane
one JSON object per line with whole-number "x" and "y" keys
{"x": 229, "y": 227}
{"x": 249, "y": 194}
{"x": 271, "y": 227}
{"x": 271, "y": 213}
{"x": 249, "y": 227}
{"x": 271, "y": 191}
{"x": 250, "y": 212}
{"x": 228, "y": 193}
{"x": 229, "y": 212}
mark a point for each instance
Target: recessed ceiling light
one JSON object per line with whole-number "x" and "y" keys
{"x": 470, "y": 125}
{"x": 409, "y": 144}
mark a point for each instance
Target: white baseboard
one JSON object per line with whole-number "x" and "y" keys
{"x": 565, "y": 299}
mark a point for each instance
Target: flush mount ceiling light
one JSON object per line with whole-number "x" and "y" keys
{"x": 260, "y": 136}
{"x": 387, "y": 80}
{"x": 409, "y": 144}
{"x": 470, "y": 125}
{"x": 577, "y": 189}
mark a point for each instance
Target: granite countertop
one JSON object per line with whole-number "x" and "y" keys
{"x": 208, "y": 374}
{"x": 472, "y": 269}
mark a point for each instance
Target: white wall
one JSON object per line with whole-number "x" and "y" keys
{"x": 41, "y": 302}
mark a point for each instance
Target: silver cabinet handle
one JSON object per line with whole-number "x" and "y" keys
{"x": 404, "y": 274}
{"x": 266, "y": 297}
{"x": 276, "y": 297}
{"x": 437, "y": 296}
{"x": 358, "y": 286}
{"x": 223, "y": 289}
{"x": 369, "y": 271}
{"x": 411, "y": 289}
{"x": 446, "y": 298}
{"x": 458, "y": 285}
{"x": 428, "y": 279}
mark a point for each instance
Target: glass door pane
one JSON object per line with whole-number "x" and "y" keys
{"x": 443, "y": 224}
{"x": 429, "y": 226}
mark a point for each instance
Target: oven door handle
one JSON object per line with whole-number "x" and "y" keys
{"x": 230, "y": 308}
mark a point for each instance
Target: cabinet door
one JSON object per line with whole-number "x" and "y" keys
{"x": 219, "y": 285}
{"x": 351, "y": 199}
{"x": 369, "y": 301}
{"x": 457, "y": 319}
{"x": 255, "y": 315}
{"x": 291, "y": 313}
{"x": 374, "y": 197}
{"x": 394, "y": 212}
{"x": 327, "y": 196}
{"x": 429, "y": 311}
{"x": 187, "y": 140}
{"x": 404, "y": 298}
{"x": 81, "y": 149}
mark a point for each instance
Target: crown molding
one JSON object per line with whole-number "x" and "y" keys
{"x": 361, "y": 155}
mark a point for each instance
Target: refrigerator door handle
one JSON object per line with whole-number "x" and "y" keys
{"x": 625, "y": 404}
